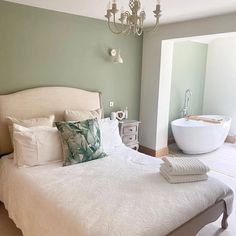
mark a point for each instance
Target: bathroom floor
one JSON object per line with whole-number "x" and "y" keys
{"x": 223, "y": 167}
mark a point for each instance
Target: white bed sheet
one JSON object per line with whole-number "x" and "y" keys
{"x": 122, "y": 194}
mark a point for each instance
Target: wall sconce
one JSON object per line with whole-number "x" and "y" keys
{"x": 116, "y": 57}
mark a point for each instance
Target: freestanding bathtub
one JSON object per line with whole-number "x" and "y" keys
{"x": 197, "y": 137}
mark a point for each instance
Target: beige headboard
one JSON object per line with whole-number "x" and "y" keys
{"x": 40, "y": 102}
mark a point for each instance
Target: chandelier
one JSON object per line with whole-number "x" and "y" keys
{"x": 130, "y": 22}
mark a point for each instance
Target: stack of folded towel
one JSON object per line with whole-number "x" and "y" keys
{"x": 183, "y": 170}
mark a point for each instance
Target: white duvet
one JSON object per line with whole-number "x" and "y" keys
{"x": 122, "y": 194}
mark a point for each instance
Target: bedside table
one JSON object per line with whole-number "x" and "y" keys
{"x": 129, "y": 133}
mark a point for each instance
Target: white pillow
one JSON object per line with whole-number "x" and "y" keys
{"x": 33, "y": 122}
{"x": 36, "y": 145}
{"x": 110, "y": 136}
{"x": 82, "y": 115}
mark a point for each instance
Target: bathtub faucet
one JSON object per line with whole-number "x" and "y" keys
{"x": 185, "y": 109}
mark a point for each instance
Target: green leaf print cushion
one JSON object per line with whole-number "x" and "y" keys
{"x": 81, "y": 141}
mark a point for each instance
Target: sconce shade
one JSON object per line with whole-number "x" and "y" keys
{"x": 117, "y": 57}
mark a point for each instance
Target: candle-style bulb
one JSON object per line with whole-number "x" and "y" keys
{"x": 158, "y": 2}
{"x": 122, "y": 10}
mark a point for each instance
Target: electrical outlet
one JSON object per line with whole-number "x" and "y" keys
{"x": 111, "y": 104}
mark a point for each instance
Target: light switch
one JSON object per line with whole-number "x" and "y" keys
{"x": 111, "y": 104}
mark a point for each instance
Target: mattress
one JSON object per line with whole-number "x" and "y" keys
{"x": 122, "y": 194}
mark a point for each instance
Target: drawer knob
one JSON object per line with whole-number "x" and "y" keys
{"x": 130, "y": 129}
{"x": 130, "y": 138}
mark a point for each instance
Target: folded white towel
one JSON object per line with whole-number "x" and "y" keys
{"x": 184, "y": 166}
{"x": 177, "y": 179}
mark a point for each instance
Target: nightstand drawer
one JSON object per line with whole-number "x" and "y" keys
{"x": 129, "y": 138}
{"x": 129, "y": 133}
{"x": 130, "y": 130}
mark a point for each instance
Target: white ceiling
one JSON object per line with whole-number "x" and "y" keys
{"x": 173, "y": 10}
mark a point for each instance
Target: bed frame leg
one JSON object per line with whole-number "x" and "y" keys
{"x": 224, "y": 222}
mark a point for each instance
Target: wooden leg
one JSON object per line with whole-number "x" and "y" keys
{"x": 224, "y": 222}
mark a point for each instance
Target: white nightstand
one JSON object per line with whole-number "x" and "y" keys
{"x": 129, "y": 133}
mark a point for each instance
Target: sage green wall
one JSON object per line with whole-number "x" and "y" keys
{"x": 47, "y": 48}
{"x": 188, "y": 72}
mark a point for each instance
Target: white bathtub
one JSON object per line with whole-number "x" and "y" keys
{"x": 196, "y": 137}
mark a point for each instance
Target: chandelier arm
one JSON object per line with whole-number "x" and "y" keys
{"x": 155, "y": 26}
{"x": 136, "y": 25}
{"x": 116, "y": 25}
{"x": 113, "y": 31}
{"x": 139, "y": 28}
{"x": 125, "y": 26}
{"x": 139, "y": 31}
{"x": 128, "y": 30}
{"x": 126, "y": 15}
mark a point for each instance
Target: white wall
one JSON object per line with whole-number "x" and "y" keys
{"x": 220, "y": 83}
{"x": 155, "y": 91}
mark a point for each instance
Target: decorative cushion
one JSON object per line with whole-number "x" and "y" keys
{"x": 81, "y": 141}
{"x": 36, "y": 145}
{"x": 82, "y": 115}
{"x": 40, "y": 121}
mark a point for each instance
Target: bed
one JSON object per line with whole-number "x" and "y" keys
{"x": 122, "y": 194}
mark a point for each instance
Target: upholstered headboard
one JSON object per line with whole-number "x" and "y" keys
{"x": 40, "y": 102}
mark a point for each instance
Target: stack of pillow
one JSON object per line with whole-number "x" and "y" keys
{"x": 83, "y": 136}
{"x": 183, "y": 170}
{"x": 33, "y": 140}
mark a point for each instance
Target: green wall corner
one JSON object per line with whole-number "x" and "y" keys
{"x": 47, "y": 48}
